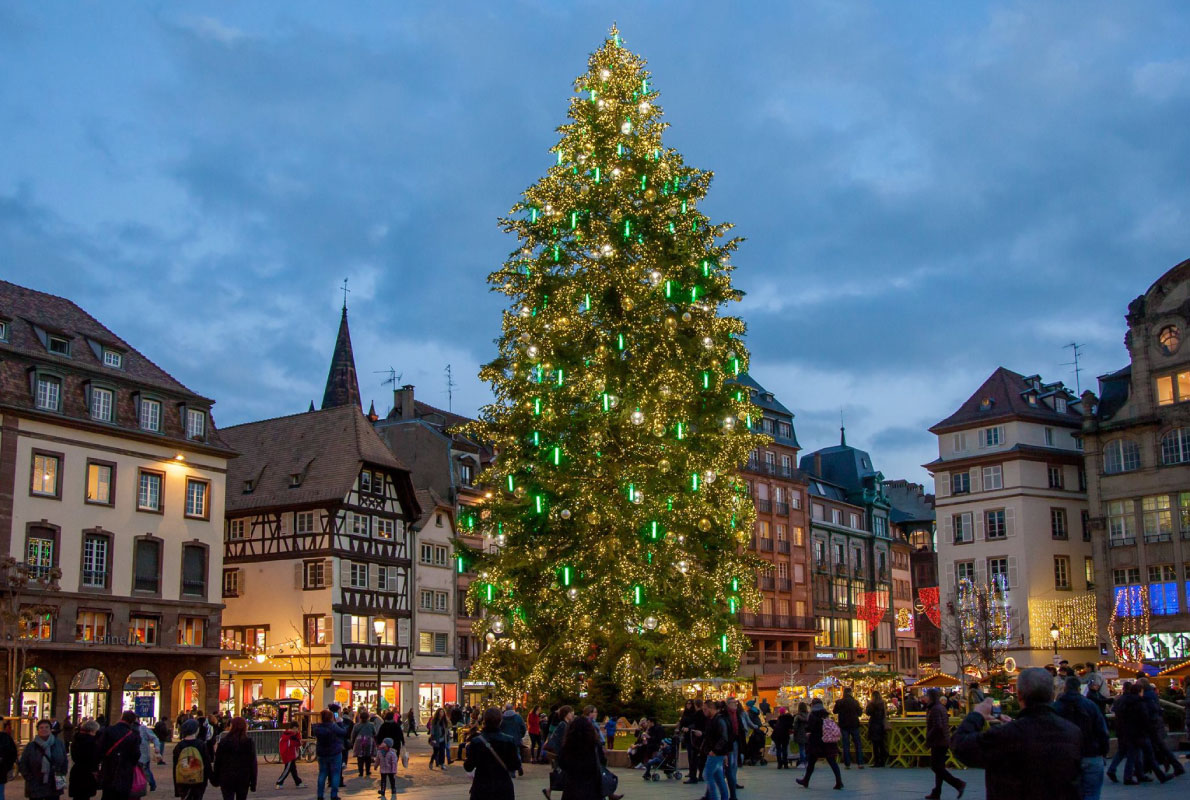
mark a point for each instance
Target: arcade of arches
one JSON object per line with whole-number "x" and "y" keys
{"x": 75, "y": 689}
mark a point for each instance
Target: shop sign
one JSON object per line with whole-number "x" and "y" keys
{"x": 831, "y": 656}
{"x": 144, "y": 706}
{"x": 1159, "y": 646}
{"x": 477, "y": 684}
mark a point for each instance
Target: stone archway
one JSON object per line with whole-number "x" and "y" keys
{"x": 189, "y": 690}
{"x": 36, "y": 695}
{"x": 142, "y": 694}
{"x": 90, "y": 695}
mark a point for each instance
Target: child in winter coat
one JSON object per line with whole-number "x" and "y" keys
{"x": 386, "y": 761}
{"x": 290, "y": 747}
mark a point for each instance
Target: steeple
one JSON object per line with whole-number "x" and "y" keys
{"x": 842, "y": 436}
{"x": 342, "y": 387}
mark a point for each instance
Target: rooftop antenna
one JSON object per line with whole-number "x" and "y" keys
{"x": 393, "y": 378}
{"x": 450, "y": 386}
{"x": 1077, "y": 348}
{"x": 345, "y": 293}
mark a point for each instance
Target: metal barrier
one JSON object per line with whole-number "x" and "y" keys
{"x": 268, "y": 743}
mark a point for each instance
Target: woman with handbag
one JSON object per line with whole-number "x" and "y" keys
{"x": 119, "y": 746}
{"x": 583, "y": 763}
{"x": 439, "y": 728}
{"x": 363, "y": 744}
{"x": 235, "y": 762}
{"x": 43, "y": 764}
{"x": 491, "y": 758}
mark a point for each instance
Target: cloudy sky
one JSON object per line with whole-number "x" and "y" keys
{"x": 928, "y": 190}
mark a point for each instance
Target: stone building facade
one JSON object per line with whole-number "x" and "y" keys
{"x": 111, "y": 502}
{"x": 1137, "y": 449}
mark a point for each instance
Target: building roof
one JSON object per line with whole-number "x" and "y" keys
{"x": 910, "y": 503}
{"x": 1006, "y": 395}
{"x": 430, "y": 502}
{"x": 342, "y": 385}
{"x": 763, "y": 399}
{"x": 29, "y": 310}
{"x": 325, "y": 448}
{"x": 842, "y": 464}
{"x": 1114, "y": 389}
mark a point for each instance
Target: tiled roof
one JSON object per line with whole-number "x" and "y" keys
{"x": 26, "y": 308}
{"x": 1004, "y": 396}
{"x": 761, "y": 396}
{"x": 326, "y": 448}
{"x": 910, "y": 503}
{"x": 1114, "y": 389}
{"x": 430, "y": 502}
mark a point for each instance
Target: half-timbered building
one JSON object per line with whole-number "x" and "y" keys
{"x": 317, "y": 574}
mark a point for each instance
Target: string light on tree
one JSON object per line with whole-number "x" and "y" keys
{"x": 613, "y": 381}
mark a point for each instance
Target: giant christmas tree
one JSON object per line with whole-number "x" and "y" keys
{"x": 619, "y": 429}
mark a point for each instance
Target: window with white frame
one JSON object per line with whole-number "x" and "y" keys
{"x": 1060, "y": 404}
{"x": 315, "y": 575}
{"x": 39, "y": 556}
{"x": 95, "y": 561}
{"x": 998, "y": 571}
{"x": 963, "y": 529}
{"x": 196, "y": 498}
{"x": 434, "y": 554}
{"x": 102, "y": 404}
{"x": 959, "y": 443}
{"x": 960, "y": 482}
{"x": 142, "y": 630}
{"x": 387, "y": 579}
{"x": 36, "y": 625}
{"x": 1061, "y": 572}
{"x": 231, "y": 583}
{"x": 1121, "y": 522}
{"x": 385, "y": 528}
{"x": 1121, "y": 455}
{"x": 836, "y": 516}
{"x": 150, "y": 415}
{"x": 432, "y": 643}
{"x": 45, "y": 475}
{"x": 1175, "y": 446}
{"x": 59, "y": 345}
{"x": 991, "y": 437}
{"x": 993, "y": 478}
{"x": 112, "y": 358}
{"x": 196, "y": 423}
{"x": 357, "y": 577}
{"x": 1157, "y": 518}
{"x": 1056, "y": 475}
{"x": 49, "y": 394}
{"x": 99, "y": 483}
{"x": 425, "y": 600}
{"x": 388, "y": 631}
{"x": 148, "y": 494}
{"x": 3, "y": 330}
{"x": 356, "y": 629}
{"x": 1058, "y": 529}
{"x": 1173, "y": 388}
{"x": 1049, "y": 437}
{"x": 360, "y": 524}
{"x": 236, "y": 529}
{"x": 441, "y": 602}
{"x": 91, "y": 626}
{"x": 994, "y": 524}
{"x": 303, "y": 522}
{"x": 964, "y": 571}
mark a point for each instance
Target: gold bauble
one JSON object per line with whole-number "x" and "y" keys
{"x": 658, "y": 430}
{"x": 714, "y": 363}
{"x": 686, "y": 317}
{"x": 663, "y": 465}
{"x": 671, "y": 322}
{"x": 627, "y": 304}
{"x": 742, "y": 416}
{"x": 519, "y": 491}
{"x": 601, "y": 350}
{"x": 650, "y": 195}
{"x": 704, "y": 524}
{"x": 592, "y": 518}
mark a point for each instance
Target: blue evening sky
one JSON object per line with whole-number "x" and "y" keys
{"x": 928, "y": 189}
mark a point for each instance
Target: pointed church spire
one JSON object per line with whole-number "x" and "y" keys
{"x": 372, "y": 415}
{"x": 342, "y": 387}
{"x": 311, "y": 408}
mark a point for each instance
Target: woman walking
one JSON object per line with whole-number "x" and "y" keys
{"x": 235, "y": 762}
{"x": 411, "y": 723}
{"x": 533, "y": 723}
{"x": 43, "y": 764}
{"x": 582, "y": 760}
{"x": 801, "y": 732}
{"x": 782, "y": 731}
{"x": 363, "y": 745}
{"x": 491, "y": 757}
{"x": 822, "y": 742}
{"x": 290, "y": 748}
{"x": 439, "y": 727}
{"x": 84, "y": 757}
{"x": 877, "y": 729}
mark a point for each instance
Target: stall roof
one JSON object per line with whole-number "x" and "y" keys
{"x": 939, "y": 680}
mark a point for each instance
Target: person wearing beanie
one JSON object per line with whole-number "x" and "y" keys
{"x": 192, "y": 762}
{"x": 386, "y": 762}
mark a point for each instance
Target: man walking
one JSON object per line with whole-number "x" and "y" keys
{"x": 1073, "y": 707}
{"x": 1035, "y": 757}
{"x": 847, "y": 712}
{"x": 938, "y": 740}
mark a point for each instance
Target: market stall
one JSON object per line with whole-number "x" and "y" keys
{"x": 864, "y": 679}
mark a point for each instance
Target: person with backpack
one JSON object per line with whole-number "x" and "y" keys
{"x": 84, "y": 758}
{"x": 363, "y": 745}
{"x": 823, "y": 735}
{"x": 234, "y": 768}
{"x": 43, "y": 764}
{"x": 553, "y": 746}
{"x": 290, "y": 747}
{"x": 1073, "y": 707}
{"x": 938, "y": 740}
{"x": 120, "y": 746}
{"x": 192, "y": 763}
{"x": 491, "y": 759}
{"x": 386, "y": 764}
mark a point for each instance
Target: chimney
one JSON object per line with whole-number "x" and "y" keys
{"x": 818, "y": 465}
{"x": 403, "y": 401}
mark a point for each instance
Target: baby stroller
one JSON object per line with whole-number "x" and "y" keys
{"x": 754, "y": 748}
{"x": 665, "y": 761}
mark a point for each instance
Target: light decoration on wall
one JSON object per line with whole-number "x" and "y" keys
{"x": 1129, "y": 623}
{"x": 1075, "y": 617}
{"x": 870, "y": 609}
{"x": 928, "y": 603}
{"x": 904, "y": 620}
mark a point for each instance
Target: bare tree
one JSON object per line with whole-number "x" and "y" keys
{"x": 976, "y": 626}
{"x": 302, "y": 661}
{"x": 21, "y": 617}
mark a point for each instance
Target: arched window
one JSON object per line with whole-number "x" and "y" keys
{"x": 1175, "y": 446}
{"x": 1121, "y": 455}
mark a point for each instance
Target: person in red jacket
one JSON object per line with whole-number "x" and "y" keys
{"x": 291, "y": 747}
{"x": 533, "y": 722}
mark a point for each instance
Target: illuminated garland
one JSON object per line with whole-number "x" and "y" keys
{"x": 928, "y": 603}
{"x": 870, "y": 609}
{"x": 1076, "y": 618}
{"x": 1127, "y": 634}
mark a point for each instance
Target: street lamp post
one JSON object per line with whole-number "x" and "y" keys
{"x": 1055, "y": 632}
{"x": 378, "y": 626}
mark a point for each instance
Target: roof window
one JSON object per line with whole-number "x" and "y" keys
{"x": 59, "y": 345}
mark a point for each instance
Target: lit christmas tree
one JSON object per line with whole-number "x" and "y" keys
{"x": 618, "y": 426}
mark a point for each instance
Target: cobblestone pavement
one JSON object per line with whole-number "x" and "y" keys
{"x": 760, "y": 783}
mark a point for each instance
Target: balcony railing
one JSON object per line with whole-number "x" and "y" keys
{"x": 783, "y": 546}
{"x": 1121, "y": 541}
{"x": 766, "y": 582}
{"x": 752, "y": 544}
{"x": 1158, "y": 537}
{"x": 840, "y": 569}
{"x": 777, "y": 621}
{"x": 766, "y": 545}
{"x": 784, "y": 584}
{"x": 783, "y": 509}
{"x": 764, "y": 506}
{"x": 821, "y": 565}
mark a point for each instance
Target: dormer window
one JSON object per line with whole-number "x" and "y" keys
{"x": 102, "y": 404}
{"x": 113, "y": 359}
{"x": 1060, "y": 405}
{"x": 985, "y": 404}
{"x": 3, "y": 330}
{"x": 196, "y": 424}
{"x": 295, "y": 479}
{"x": 1032, "y": 399}
{"x": 249, "y": 486}
{"x": 49, "y": 393}
{"x": 58, "y": 345}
